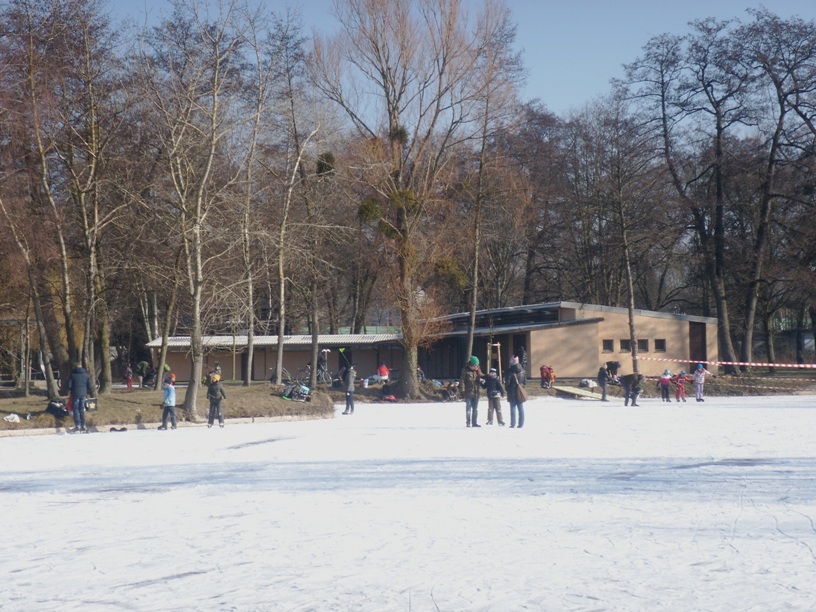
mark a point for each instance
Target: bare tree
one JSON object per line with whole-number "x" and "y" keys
{"x": 775, "y": 52}
{"x": 698, "y": 83}
{"x": 497, "y": 73}
{"x": 419, "y": 57}
{"x": 190, "y": 71}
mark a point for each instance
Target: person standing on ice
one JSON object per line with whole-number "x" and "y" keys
{"x": 494, "y": 391}
{"x": 699, "y": 378}
{"x": 470, "y": 382}
{"x": 603, "y": 380}
{"x": 665, "y": 383}
{"x": 80, "y": 387}
{"x": 631, "y": 384}
{"x": 680, "y": 381}
{"x": 169, "y": 386}
{"x": 216, "y": 395}
{"x": 515, "y": 377}
{"x": 348, "y": 385}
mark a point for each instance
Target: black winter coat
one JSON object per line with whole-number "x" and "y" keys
{"x": 493, "y": 387}
{"x": 215, "y": 393}
{"x": 514, "y": 377}
{"x": 79, "y": 383}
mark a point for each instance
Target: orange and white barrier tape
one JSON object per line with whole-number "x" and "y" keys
{"x": 751, "y": 364}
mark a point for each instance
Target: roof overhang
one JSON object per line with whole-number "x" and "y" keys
{"x": 302, "y": 341}
{"x": 513, "y": 329}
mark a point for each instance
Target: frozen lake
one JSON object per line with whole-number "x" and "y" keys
{"x": 399, "y": 507}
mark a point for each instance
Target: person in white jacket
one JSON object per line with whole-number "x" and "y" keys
{"x": 699, "y": 378}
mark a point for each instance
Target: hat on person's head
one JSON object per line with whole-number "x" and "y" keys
{"x": 215, "y": 378}
{"x": 474, "y": 360}
{"x": 514, "y": 360}
{"x": 172, "y": 377}
{"x": 699, "y": 366}
{"x": 667, "y": 371}
{"x": 493, "y": 371}
{"x": 682, "y": 372}
{"x": 352, "y": 367}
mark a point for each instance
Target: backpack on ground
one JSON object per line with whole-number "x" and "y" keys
{"x": 57, "y": 408}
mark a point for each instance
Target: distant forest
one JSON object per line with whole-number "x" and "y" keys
{"x": 226, "y": 172}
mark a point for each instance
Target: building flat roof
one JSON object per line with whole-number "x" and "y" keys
{"x": 324, "y": 340}
{"x": 552, "y": 306}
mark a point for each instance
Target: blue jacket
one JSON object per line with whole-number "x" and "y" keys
{"x": 169, "y": 394}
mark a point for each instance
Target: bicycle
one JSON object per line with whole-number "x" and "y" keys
{"x": 302, "y": 375}
{"x": 285, "y": 376}
{"x": 324, "y": 377}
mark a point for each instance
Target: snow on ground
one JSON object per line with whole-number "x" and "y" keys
{"x": 399, "y": 507}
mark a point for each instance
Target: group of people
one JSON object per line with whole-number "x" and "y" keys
{"x": 473, "y": 380}
{"x": 632, "y": 384}
{"x": 215, "y": 395}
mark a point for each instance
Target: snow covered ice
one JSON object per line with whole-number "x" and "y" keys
{"x": 400, "y": 507}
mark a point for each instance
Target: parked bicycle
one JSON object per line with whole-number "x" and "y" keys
{"x": 324, "y": 376}
{"x": 286, "y": 377}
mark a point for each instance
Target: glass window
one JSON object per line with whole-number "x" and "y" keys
{"x": 626, "y": 346}
{"x": 660, "y": 346}
{"x": 643, "y": 346}
{"x": 608, "y": 346}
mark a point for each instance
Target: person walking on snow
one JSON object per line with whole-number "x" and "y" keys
{"x": 699, "y": 378}
{"x": 470, "y": 382}
{"x": 494, "y": 391}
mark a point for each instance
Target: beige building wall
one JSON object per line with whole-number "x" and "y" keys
{"x": 572, "y": 351}
{"x": 651, "y": 332}
{"x": 667, "y": 341}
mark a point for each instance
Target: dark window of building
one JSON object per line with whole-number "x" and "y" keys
{"x": 626, "y": 346}
{"x": 660, "y": 346}
{"x": 608, "y": 346}
{"x": 643, "y": 346}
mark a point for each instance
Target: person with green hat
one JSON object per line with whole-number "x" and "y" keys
{"x": 470, "y": 382}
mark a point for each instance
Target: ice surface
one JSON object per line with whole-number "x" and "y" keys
{"x": 400, "y": 507}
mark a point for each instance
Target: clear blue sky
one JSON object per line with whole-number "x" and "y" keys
{"x": 572, "y": 48}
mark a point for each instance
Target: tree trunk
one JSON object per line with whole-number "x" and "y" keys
{"x": 770, "y": 347}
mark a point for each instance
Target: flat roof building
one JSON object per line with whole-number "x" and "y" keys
{"x": 571, "y": 337}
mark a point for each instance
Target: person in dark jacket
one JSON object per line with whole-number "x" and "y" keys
{"x": 631, "y": 384}
{"x": 470, "y": 383}
{"x": 80, "y": 387}
{"x": 494, "y": 391}
{"x": 216, "y": 394}
{"x": 348, "y": 385}
{"x": 603, "y": 380}
{"x": 514, "y": 378}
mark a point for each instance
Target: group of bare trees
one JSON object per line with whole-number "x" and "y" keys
{"x": 221, "y": 172}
